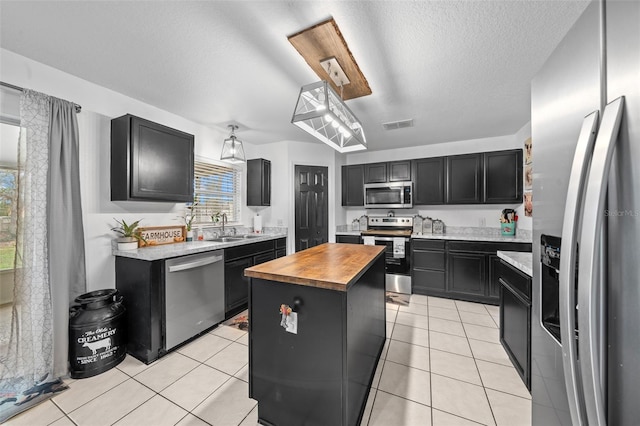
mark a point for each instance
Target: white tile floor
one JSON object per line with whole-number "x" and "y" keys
{"x": 442, "y": 365}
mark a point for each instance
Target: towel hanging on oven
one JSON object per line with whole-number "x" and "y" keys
{"x": 398, "y": 248}
{"x": 369, "y": 241}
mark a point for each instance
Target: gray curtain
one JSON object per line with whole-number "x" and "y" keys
{"x": 49, "y": 262}
{"x": 67, "y": 277}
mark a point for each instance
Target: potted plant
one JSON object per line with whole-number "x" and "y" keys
{"x": 129, "y": 234}
{"x": 188, "y": 219}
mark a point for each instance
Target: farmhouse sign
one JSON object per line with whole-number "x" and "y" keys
{"x": 157, "y": 235}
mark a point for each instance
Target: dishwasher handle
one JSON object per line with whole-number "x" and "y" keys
{"x": 195, "y": 264}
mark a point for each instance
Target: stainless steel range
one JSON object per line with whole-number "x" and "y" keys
{"x": 394, "y": 233}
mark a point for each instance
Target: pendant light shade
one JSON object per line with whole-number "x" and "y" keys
{"x": 322, "y": 113}
{"x": 232, "y": 149}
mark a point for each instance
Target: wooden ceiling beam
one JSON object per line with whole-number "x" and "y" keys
{"x": 323, "y": 41}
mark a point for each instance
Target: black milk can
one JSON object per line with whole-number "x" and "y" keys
{"x": 97, "y": 333}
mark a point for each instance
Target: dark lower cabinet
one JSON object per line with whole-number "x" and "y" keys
{"x": 321, "y": 375}
{"x": 467, "y": 274}
{"x": 236, "y": 285}
{"x": 515, "y": 319}
{"x": 237, "y": 259}
{"x": 141, "y": 285}
{"x": 428, "y": 267}
{"x": 350, "y": 239}
{"x": 461, "y": 270}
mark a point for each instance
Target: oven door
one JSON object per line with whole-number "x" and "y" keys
{"x": 398, "y": 267}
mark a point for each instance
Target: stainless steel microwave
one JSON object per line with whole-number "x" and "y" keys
{"x": 397, "y": 195}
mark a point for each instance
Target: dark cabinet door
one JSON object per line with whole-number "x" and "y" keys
{"x": 353, "y": 185}
{"x": 263, "y": 257}
{"x": 399, "y": 171}
{"x": 375, "y": 173}
{"x": 258, "y": 182}
{"x": 150, "y": 161}
{"x": 350, "y": 239}
{"x": 428, "y": 181}
{"x": 464, "y": 179}
{"x": 467, "y": 273}
{"x": 503, "y": 176}
{"x": 494, "y": 275}
{"x": 428, "y": 267}
{"x": 515, "y": 331}
{"x": 236, "y": 285}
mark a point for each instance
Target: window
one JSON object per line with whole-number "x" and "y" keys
{"x": 216, "y": 189}
{"x": 8, "y": 193}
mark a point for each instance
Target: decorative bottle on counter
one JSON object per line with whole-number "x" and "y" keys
{"x": 417, "y": 224}
{"x": 427, "y": 225}
{"x": 438, "y": 226}
{"x": 363, "y": 223}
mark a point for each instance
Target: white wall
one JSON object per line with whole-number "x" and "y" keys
{"x": 284, "y": 156}
{"x": 99, "y": 106}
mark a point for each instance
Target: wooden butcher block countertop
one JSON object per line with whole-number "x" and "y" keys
{"x": 331, "y": 266}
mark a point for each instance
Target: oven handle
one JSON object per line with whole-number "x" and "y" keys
{"x": 390, "y": 238}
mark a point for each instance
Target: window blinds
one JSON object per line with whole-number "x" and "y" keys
{"x": 216, "y": 189}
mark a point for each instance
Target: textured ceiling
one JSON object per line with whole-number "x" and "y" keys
{"x": 460, "y": 69}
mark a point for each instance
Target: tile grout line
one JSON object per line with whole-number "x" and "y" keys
{"x": 484, "y": 389}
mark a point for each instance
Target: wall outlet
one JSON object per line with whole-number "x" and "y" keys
{"x": 482, "y": 222}
{"x": 280, "y": 222}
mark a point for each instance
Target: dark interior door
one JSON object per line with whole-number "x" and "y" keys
{"x": 311, "y": 206}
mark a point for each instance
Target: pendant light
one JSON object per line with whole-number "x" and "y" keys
{"x": 232, "y": 150}
{"x": 323, "y": 114}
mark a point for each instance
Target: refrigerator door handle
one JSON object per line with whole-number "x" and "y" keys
{"x": 588, "y": 282}
{"x": 570, "y": 229}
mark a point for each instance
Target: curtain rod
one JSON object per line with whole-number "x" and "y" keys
{"x": 21, "y": 89}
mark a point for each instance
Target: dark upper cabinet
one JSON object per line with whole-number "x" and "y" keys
{"x": 464, "y": 179}
{"x": 428, "y": 180}
{"x": 150, "y": 162}
{"x": 503, "y": 177}
{"x": 258, "y": 182}
{"x": 353, "y": 185}
{"x": 394, "y": 171}
{"x": 375, "y": 173}
{"x": 399, "y": 171}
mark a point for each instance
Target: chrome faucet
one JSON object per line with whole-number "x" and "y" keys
{"x": 224, "y": 220}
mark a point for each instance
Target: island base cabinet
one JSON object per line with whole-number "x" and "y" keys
{"x": 322, "y": 374}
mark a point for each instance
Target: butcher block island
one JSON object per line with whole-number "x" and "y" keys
{"x": 316, "y": 332}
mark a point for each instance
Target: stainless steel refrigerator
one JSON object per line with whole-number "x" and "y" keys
{"x": 586, "y": 223}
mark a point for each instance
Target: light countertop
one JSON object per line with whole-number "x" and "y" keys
{"x": 472, "y": 237}
{"x": 467, "y": 234}
{"x": 167, "y": 251}
{"x": 520, "y": 260}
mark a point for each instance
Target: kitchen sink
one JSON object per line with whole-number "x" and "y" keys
{"x": 224, "y": 239}
{"x": 234, "y": 238}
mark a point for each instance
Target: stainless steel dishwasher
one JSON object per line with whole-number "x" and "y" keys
{"x": 194, "y": 295}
